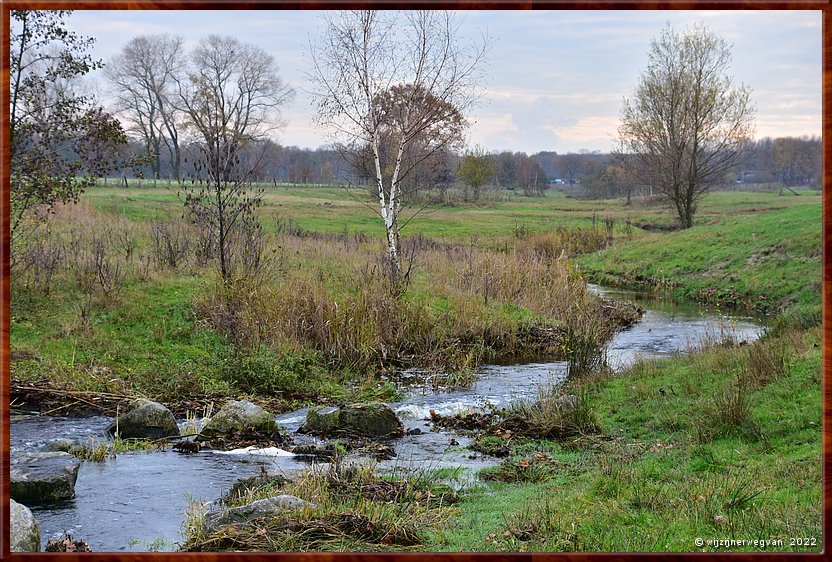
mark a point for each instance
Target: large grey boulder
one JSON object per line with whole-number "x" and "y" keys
{"x": 239, "y": 415}
{"x": 43, "y": 476}
{"x": 374, "y": 420}
{"x": 145, "y": 419}
{"x": 24, "y": 529}
{"x": 213, "y": 520}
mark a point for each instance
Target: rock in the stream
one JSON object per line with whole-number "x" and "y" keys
{"x": 145, "y": 419}
{"x": 239, "y": 415}
{"x": 374, "y": 420}
{"x": 24, "y": 529}
{"x": 43, "y": 476}
{"x": 213, "y": 520}
{"x": 253, "y": 484}
{"x": 63, "y": 445}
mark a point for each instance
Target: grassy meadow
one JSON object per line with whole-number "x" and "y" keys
{"x": 732, "y": 451}
{"x": 115, "y": 297}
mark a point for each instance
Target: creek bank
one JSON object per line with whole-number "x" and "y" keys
{"x": 45, "y": 397}
{"x": 157, "y": 493}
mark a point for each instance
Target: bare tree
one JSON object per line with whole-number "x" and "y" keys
{"x": 231, "y": 98}
{"x": 795, "y": 160}
{"x": 687, "y": 124}
{"x": 392, "y": 85}
{"x": 143, "y": 75}
{"x": 530, "y": 175}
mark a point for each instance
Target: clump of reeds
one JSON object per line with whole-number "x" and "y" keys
{"x": 97, "y": 450}
{"x": 352, "y": 509}
{"x": 553, "y": 414}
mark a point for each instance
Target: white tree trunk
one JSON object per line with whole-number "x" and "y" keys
{"x": 387, "y": 209}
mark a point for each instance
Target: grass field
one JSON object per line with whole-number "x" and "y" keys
{"x": 335, "y": 209}
{"x": 765, "y": 259}
{"x": 749, "y": 250}
{"x": 733, "y": 448}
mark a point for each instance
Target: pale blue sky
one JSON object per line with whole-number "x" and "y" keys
{"x": 556, "y": 79}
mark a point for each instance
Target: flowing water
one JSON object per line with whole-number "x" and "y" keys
{"x": 137, "y": 501}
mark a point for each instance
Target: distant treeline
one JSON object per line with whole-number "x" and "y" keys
{"x": 787, "y": 160}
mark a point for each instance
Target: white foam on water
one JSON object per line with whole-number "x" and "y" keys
{"x": 420, "y": 412}
{"x": 252, "y": 450}
{"x": 292, "y": 420}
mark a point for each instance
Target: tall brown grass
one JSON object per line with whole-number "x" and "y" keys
{"x": 464, "y": 305}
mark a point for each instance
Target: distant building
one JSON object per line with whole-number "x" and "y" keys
{"x": 750, "y": 176}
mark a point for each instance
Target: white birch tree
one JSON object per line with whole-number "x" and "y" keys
{"x": 394, "y": 86}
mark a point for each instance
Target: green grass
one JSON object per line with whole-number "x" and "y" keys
{"x": 749, "y": 249}
{"x": 767, "y": 260}
{"x": 320, "y": 321}
{"x": 334, "y": 209}
{"x": 150, "y": 337}
{"x": 655, "y": 482}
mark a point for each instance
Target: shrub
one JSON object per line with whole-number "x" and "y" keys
{"x": 289, "y": 375}
{"x": 464, "y": 305}
{"x": 170, "y": 243}
{"x": 563, "y": 243}
{"x": 799, "y": 318}
{"x": 40, "y": 260}
{"x": 765, "y": 361}
{"x": 728, "y": 413}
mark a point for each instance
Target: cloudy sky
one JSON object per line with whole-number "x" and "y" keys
{"x": 556, "y": 79}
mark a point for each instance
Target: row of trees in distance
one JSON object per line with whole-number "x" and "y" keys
{"x": 792, "y": 161}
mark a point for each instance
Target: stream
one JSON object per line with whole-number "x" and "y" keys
{"x": 137, "y": 501}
